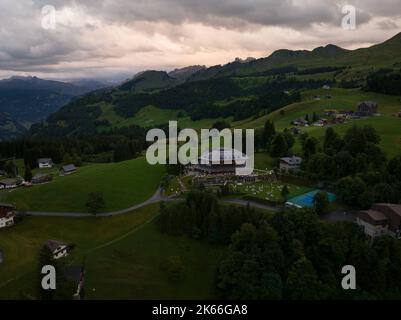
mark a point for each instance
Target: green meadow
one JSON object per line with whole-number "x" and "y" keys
{"x": 269, "y": 191}
{"x": 123, "y": 257}
{"x": 123, "y": 184}
{"x": 387, "y": 125}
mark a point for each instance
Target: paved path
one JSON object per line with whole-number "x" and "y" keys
{"x": 252, "y": 204}
{"x": 157, "y": 197}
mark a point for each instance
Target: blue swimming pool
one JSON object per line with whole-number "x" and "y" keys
{"x": 306, "y": 200}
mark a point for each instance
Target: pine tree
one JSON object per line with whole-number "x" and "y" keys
{"x": 28, "y": 173}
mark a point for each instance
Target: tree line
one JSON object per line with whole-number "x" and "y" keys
{"x": 286, "y": 255}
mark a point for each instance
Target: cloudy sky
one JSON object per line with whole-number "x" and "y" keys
{"x": 109, "y": 38}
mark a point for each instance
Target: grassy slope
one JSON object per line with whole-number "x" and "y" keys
{"x": 388, "y": 126}
{"x": 122, "y": 256}
{"x": 151, "y": 116}
{"x": 134, "y": 268}
{"x": 122, "y": 184}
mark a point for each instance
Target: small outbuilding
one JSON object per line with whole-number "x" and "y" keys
{"x": 68, "y": 169}
{"x": 45, "y": 163}
{"x": 57, "y": 248}
{"x": 41, "y": 178}
{"x": 290, "y": 163}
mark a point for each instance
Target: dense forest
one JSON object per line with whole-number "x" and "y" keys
{"x": 353, "y": 166}
{"x": 200, "y": 99}
{"x": 286, "y": 255}
{"x": 112, "y": 145}
{"x": 386, "y": 81}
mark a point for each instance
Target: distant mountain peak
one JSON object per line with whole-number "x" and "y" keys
{"x": 186, "y": 72}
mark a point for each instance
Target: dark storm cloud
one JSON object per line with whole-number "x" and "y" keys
{"x": 25, "y": 45}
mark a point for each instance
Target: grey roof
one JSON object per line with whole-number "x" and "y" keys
{"x": 6, "y": 205}
{"x": 40, "y": 175}
{"x": 369, "y": 103}
{"x": 73, "y": 273}
{"x": 10, "y": 181}
{"x": 292, "y": 160}
{"x": 54, "y": 244}
{"x": 45, "y": 160}
{"x": 69, "y": 168}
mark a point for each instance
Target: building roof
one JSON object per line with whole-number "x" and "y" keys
{"x": 373, "y": 215}
{"x": 54, "y": 244}
{"x": 10, "y": 181}
{"x": 73, "y": 273}
{"x": 221, "y": 155}
{"x": 44, "y": 160}
{"x": 6, "y": 205}
{"x": 369, "y": 103}
{"x": 40, "y": 176}
{"x": 395, "y": 208}
{"x": 292, "y": 160}
{"x": 69, "y": 168}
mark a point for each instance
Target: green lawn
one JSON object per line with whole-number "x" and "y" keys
{"x": 122, "y": 257}
{"x": 122, "y": 184}
{"x": 269, "y": 191}
{"x": 388, "y": 126}
{"x": 133, "y": 268}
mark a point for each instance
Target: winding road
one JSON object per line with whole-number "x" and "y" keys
{"x": 156, "y": 198}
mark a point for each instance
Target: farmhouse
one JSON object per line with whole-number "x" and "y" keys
{"x": 41, "y": 178}
{"x": 9, "y": 183}
{"x": 290, "y": 163}
{"x": 367, "y": 109}
{"x": 45, "y": 163}
{"x": 381, "y": 219}
{"x": 57, "y": 248}
{"x": 68, "y": 169}
{"x": 221, "y": 160}
{"x": 6, "y": 215}
{"x": 300, "y": 122}
{"x": 75, "y": 274}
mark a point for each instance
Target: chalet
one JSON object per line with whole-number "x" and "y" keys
{"x": 367, "y": 109}
{"x": 68, "y": 169}
{"x": 6, "y": 215}
{"x": 221, "y": 160}
{"x": 75, "y": 274}
{"x": 300, "y": 122}
{"x": 45, "y": 163}
{"x": 381, "y": 219}
{"x": 41, "y": 178}
{"x": 11, "y": 183}
{"x": 290, "y": 163}
{"x": 57, "y": 248}
{"x": 319, "y": 123}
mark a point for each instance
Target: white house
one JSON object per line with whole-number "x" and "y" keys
{"x": 45, "y": 163}
{"x": 6, "y": 215}
{"x": 10, "y": 183}
{"x": 290, "y": 163}
{"x": 381, "y": 219}
{"x": 57, "y": 248}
